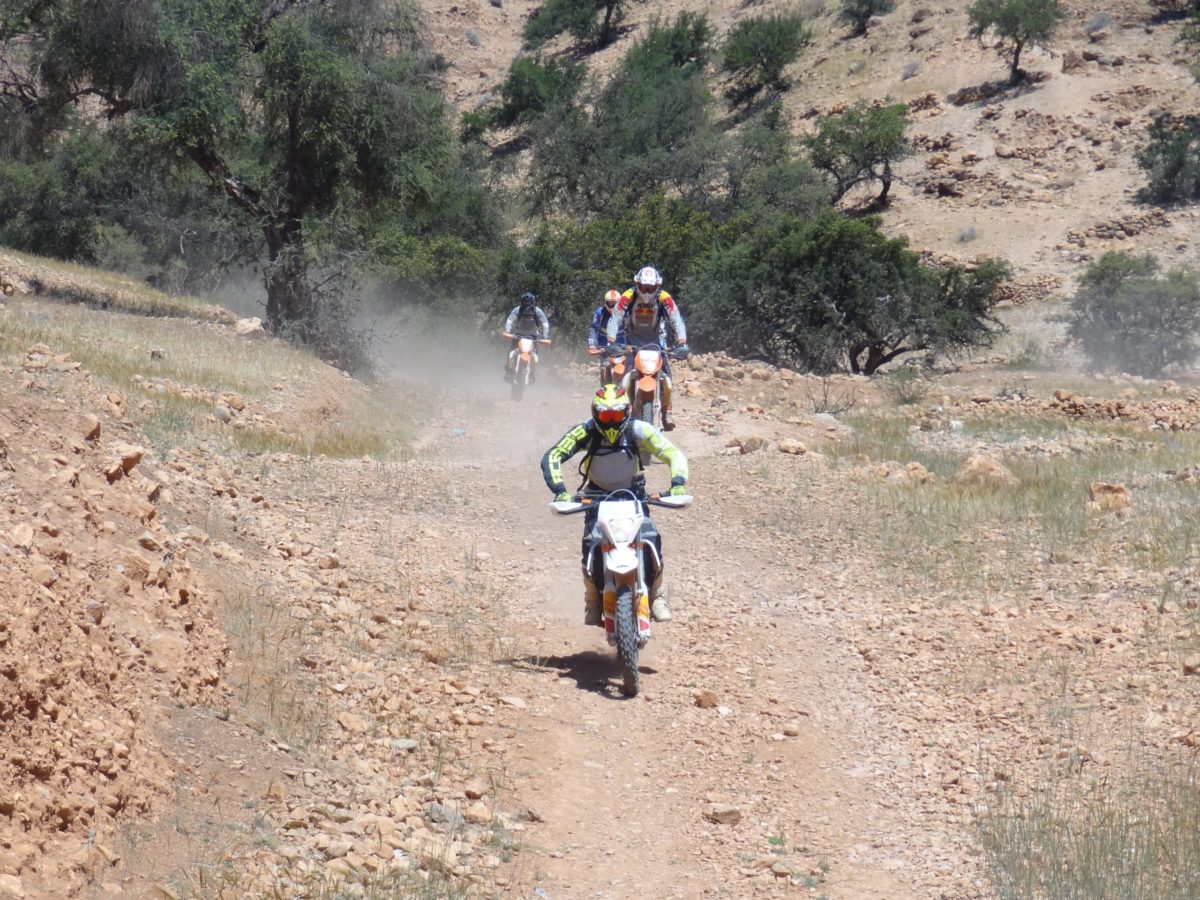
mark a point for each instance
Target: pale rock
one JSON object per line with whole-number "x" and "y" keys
{"x": 1109, "y": 497}
{"x": 328, "y": 561}
{"x": 91, "y": 428}
{"x": 149, "y": 542}
{"x": 723, "y": 813}
{"x": 478, "y": 788}
{"x": 479, "y": 813}
{"x": 223, "y": 413}
{"x": 43, "y": 575}
{"x": 130, "y": 455}
{"x": 352, "y": 722}
{"x": 514, "y": 702}
{"x": 22, "y": 536}
{"x": 794, "y": 448}
{"x": 11, "y": 887}
{"x": 251, "y": 327}
{"x": 747, "y": 444}
{"x": 1191, "y": 665}
{"x": 983, "y": 471}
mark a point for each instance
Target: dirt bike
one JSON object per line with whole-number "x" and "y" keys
{"x": 623, "y": 563}
{"x": 522, "y": 361}
{"x": 645, "y": 389}
{"x": 612, "y": 367}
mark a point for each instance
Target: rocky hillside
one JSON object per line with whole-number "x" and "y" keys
{"x": 1043, "y": 175}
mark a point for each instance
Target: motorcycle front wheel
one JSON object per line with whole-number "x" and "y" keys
{"x": 520, "y": 373}
{"x": 626, "y": 627}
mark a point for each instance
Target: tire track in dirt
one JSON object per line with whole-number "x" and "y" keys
{"x": 622, "y": 785}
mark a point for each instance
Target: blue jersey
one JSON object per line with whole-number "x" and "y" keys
{"x": 598, "y": 333}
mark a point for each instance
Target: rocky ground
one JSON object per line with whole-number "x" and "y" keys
{"x": 270, "y": 672}
{"x": 240, "y": 660}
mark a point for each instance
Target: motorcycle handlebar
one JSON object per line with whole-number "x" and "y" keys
{"x": 590, "y": 497}
{"x": 513, "y": 337}
{"x": 680, "y": 351}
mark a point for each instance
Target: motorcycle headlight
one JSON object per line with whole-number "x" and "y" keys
{"x": 622, "y": 531}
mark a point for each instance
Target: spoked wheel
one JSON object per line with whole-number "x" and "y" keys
{"x": 627, "y": 640}
{"x": 518, "y": 382}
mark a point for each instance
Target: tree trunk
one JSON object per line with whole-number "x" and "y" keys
{"x": 289, "y": 300}
{"x": 886, "y": 178}
{"x": 609, "y": 7}
{"x": 1015, "y": 75}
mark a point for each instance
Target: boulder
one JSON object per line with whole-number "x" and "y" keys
{"x": 249, "y": 328}
{"x": 983, "y": 471}
{"x": 1109, "y": 497}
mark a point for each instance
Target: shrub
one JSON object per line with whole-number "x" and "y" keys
{"x": 832, "y": 292}
{"x": 1171, "y": 160}
{"x": 1018, "y": 24}
{"x": 1127, "y": 317}
{"x": 860, "y": 145}
{"x": 534, "y": 86}
{"x": 571, "y": 264}
{"x": 585, "y": 20}
{"x": 649, "y": 128}
{"x": 758, "y": 49}
{"x": 905, "y": 386}
{"x": 857, "y": 13}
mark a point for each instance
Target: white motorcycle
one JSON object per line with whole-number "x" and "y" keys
{"x": 623, "y": 563}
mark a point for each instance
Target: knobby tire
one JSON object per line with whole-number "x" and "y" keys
{"x": 627, "y": 640}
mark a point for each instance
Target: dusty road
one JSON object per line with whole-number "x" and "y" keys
{"x": 752, "y": 697}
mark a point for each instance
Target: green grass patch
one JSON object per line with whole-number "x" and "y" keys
{"x": 105, "y": 290}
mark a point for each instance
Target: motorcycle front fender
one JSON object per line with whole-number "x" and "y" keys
{"x": 620, "y": 560}
{"x": 646, "y": 385}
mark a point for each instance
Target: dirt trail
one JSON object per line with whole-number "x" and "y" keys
{"x": 786, "y": 732}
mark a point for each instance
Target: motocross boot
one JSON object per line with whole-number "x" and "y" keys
{"x": 668, "y": 423}
{"x": 659, "y": 611}
{"x": 593, "y": 606}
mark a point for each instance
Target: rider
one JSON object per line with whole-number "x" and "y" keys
{"x": 598, "y": 333}
{"x": 613, "y": 442}
{"x": 645, "y": 312}
{"x": 526, "y": 319}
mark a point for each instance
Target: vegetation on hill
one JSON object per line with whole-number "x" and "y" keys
{"x": 313, "y": 145}
{"x": 302, "y": 136}
{"x": 1128, "y": 317}
{"x": 1017, "y": 24}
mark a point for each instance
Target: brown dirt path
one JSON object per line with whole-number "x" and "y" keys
{"x": 794, "y": 739}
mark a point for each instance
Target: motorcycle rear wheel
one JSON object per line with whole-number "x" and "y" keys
{"x": 627, "y": 641}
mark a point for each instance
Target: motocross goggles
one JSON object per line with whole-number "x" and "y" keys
{"x": 611, "y": 416}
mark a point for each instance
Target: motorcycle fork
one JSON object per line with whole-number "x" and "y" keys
{"x": 636, "y": 580}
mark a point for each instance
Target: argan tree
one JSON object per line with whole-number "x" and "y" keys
{"x": 1128, "y": 317}
{"x": 759, "y": 48}
{"x": 316, "y": 122}
{"x": 585, "y": 20}
{"x": 1018, "y": 24}
{"x": 860, "y": 145}
{"x": 858, "y": 13}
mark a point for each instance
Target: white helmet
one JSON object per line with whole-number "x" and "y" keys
{"x": 647, "y": 281}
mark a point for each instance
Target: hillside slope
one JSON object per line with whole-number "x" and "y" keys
{"x": 1043, "y": 175}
